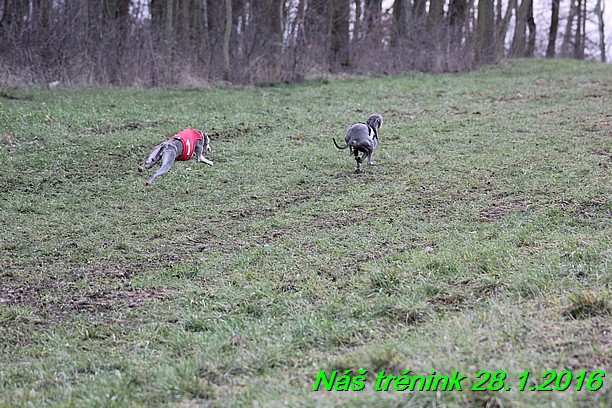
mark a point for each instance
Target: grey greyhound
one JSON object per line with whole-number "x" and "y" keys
{"x": 181, "y": 147}
{"x": 363, "y": 137}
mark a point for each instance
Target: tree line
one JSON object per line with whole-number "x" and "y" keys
{"x": 191, "y": 42}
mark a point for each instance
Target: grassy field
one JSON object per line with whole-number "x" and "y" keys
{"x": 480, "y": 242}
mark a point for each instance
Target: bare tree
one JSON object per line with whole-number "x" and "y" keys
{"x": 168, "y": 42}
{"x": 226, "y": 40}
{"x": 199, "y": 23}
{"x": 263, "y": 39}
{"x": 567, "y": 35}
{"x": 436, "y": 12}
{"x": 400, "y": 22}
{"x": 317, "y": 31}
{"x": 340, "y": 43}
{"x": 580, "y": 33}
{"x": 485, "y": 38}
{"x": 502, "y": 29}
{"x": 457, "y": 16}
{"x": 169, "y": 25}
{"x": 531, "y": 25}
{"x": 373, "y": 9}
{"x": 518, "y": 48}
{"x": 599, "y": 12}
{"x": 554, "y": 27}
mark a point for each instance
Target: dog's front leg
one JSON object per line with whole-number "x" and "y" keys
{"x": 203, "y": 159}
{"x": 199, "y": 152}
{"x": 167, "y": 162}
{"x": 364, "y": 156}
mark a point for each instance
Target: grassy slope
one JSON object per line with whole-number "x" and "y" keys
{"x": 481, "y": 241}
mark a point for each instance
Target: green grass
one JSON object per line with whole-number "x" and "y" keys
{"x": 480, "y": 241}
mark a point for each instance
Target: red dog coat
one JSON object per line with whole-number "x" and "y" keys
{"x": 188, "y": 137}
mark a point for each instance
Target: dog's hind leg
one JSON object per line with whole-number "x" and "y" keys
{"x": 154, "y": 157}
{"x": 358, "y": 160}
{"x": 167, "y": 162}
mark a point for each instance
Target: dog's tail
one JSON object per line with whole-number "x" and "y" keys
{"x": 343, "y": 147}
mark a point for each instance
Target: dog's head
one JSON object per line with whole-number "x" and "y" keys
{"x": 375, "y": 121}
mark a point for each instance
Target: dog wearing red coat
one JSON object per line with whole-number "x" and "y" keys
{"x": 181, "y": 147}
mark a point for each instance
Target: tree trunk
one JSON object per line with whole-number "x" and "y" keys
{"x": 502, "y": 30}
{"x": 579, "y": 33}
{"x": 15, "y": 12}
{"x": 263, "y": 38}
{"x": 297, "y": 23}
{"x": 373, "y": 9}
{"x": 121, "y": 24}
{"x": 6, "y": 14}
{"x": 183, "y": 26}
{"x": 226, "y": 40}
{"x": 156, "y": 8}
{"x": 278, "y": 32}
{"x": 436, "y": 12}
{"x": 498, "y": 12}
{"x": 599, "y": 10}
{"x": 485, "y": 32}
{"x": 531, "y": 25}
{"x": 583, "y": 31}
{"x": 317, "y": 30}
{"x": 518, "y": 41}
{"x": 357, "y": 35}
{"x": 456, "y": 18}
{"x": 567, "y": 35}
{"x": 168, "y": 25}
{"x": 554, "y": 27}
{"x": 400, "y": 23}
{"x": 418, "y": 9}
{"x": 45, "y": 14}
{"x": 340, "y": 40}
{"x": 199, "y": 24}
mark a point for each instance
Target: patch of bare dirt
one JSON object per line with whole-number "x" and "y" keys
{"x": 587, "y": 209}
{"x": 236, "y": 133}
{"x": 59, "y": 296}
{"x": 62, "y": 306}
{"x": 97, "y": 129}
{"x": 453, "y": 301}
{"x": 467, "y": 291}
{"x": 110, "y": 299}
{"x": 19, "y": 295}
{"x": 408, "y": 316}
{"x": 498, "y": 212}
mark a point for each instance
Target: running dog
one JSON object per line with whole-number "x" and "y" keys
{"x": 181, "y": 147}
{"x": 362, "y": 137}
